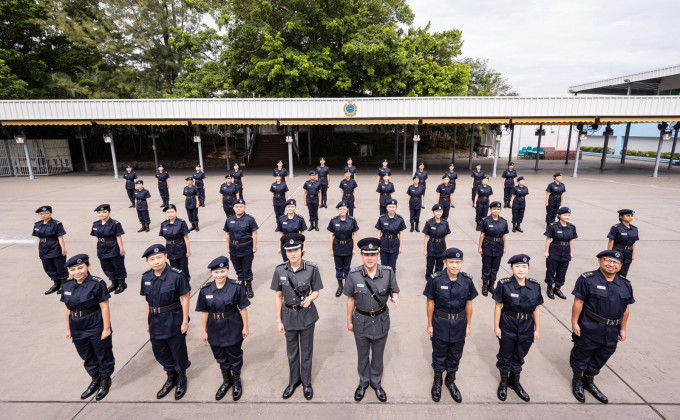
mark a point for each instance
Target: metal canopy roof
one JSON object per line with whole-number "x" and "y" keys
{"x": 644, "y": 83}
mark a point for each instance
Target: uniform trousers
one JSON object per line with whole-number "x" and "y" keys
{"x": 414, "y": 214}
{"x": 243, "y": 266}
{"x": 481, "y": 211}
{"x": 313, "y": 207}
{"x": 507, "y": 193}
{"x": 588, "y": 355}
{"x": 143, "y": 216}
{"x": 517, "y": 213}
{"x": 389, "y": 258}
{"x": 228, "y": 209}
{"x": 490, "y": 267}
{"x": 229, "y": 357}
{"x": 192, "y": 215}
{"x": 350, "y": 204}
{"x": 300, "y": 349}
{"x": 201, "y": 195}
{"x": 182, "y": 264}
{"x": 171, "y": 352}
{"x": 324, "y": 191}
{"x": 370, "y": 369}
{"x": 551, "y": 212}
{"x": 446, "y": 206}
{"x": 382, "y": 209}
{"x": 279, "y": 210}
{"x": 131, "y": 194}
{"x": 342, "y": 266}
{"x": 627, "y": 259}
{"x": 164, "y": 193}
{"x": 512, "y": 351}
{"x": 555, "y": 271}
{"x": 97, "y": 355}
{"x": 445, "y": 355}
{"x": 114, "y": 267}
{"x": 54, "y": 268}
{"x": 433, "y": 264}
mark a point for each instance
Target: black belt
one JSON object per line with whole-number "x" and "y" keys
{"x": 223, "y": 315}
{"x": 162, "y": 309}
{"x": 517, "y": 315}
{"x": 561, "y": 243}
{"x": 602, "y": 320}
{"x": 229, "y": 197}
{"x": 389, "y": 236}
{"x": 176, "y": 241}
{"x": 555, "y": 195}
{"x": 108, "y": 239}
{"x": 43, "y": 240}
{"x": 243, "y": 241}
{"x": 436, "y": 239}
{"x": 442, "y": 201}
{"x": 386, "y": 194}
{"x": 372, "y": 314}
{"x": 450, "y": 317}
{"x": 339, "y": 242}
{"x": 278, "y": 195}
{"x": 348, "y": 194}
{"x": 492, "y": 239}
{"x": 293, "y": 307}
{"x": 312, "y": 195}
{"x": 623, "y": 247}
{"x": 84, "y": 312}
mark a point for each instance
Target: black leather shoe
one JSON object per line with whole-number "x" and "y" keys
{"x": 453, "y": 389}
{"x": 502, "y": 391}
{"x": 146, "y": 228}
{"x": 513, "y": 382}
{"x": 202, "y": 204}
{"x": 485, "y": 288}
{"x": 290, "y": 390}
{"x": 55, "y": 286}
{"x": 249, "y": 290}
{"x": 437, "y": 387}
{"x": 380, "y": 393}
{"x": 559, "y": 293}
{"x": 237, "y": 390}
{"x": 589, "y": 384}
{"x": 103, "y": 389}
{"x": 308, "y": 392}
{"x": 142, "y": 229}
{"x": 417, "y": 228}
{"x": 490, "y": 287}
{"x": 412, "y": 227}
{"x": 549, "y": 291}
{"x": 359, "y": 393}
{"x": 131, "y": 206}
{"x": 197, "y": 228}
{"x": 316, "y": 226}
{"x": 193, "y": 227}
{"x": 338, "y": 292}
{"x": 168, "y": 385}
{"x": 114, "y": 286}
{"x": 182, "y": 384}
{"x": 121, "y": 287}
{"x": 92, "y": 388}
{"x": 227, "y": 382}
{"x": 519, "y": 228}
{"x": 577, "y": 387}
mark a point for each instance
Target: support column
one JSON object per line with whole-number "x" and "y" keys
{"x": 153, "y": 137}
{"x": 675, "y": 140}
{"x": 404, "y": 156}
{"x": 115, "y": 161}
{"x": 246, "y": 143}
{"x": 625, "y": 144}
{"x": 607, "y": 132}
{"x": 226, "y": 143}
{"x": 289, "y": 140}
{"x": 512, "y": 138}
{"x": 416, "y": 139}
{"x": 82, "y": 137}
{"x": 309, "y": 145}
{"x": 455, "y": 139}
{"x": 472, "y": 146}
{"x": 497, "y": 145}
{"x": 29, "y": 164}
{"x": 566, "y": 155}
{"x": 396, "y": 144}
{"x": 539, "y": 133}
{"x": 662, "y": 128}
{"x": 576, "y": 156}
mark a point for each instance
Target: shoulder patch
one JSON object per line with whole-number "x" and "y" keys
{"x": 68, "y": 280}
{"x": 386, "y": 267}
{"x": 95, "y": 278}
{"x": 434, "y": 275}
{"x": 617, "y": 225}
{"x": 623, "y": 278}
{"x": 236, "y": 281}
{"x": 355, "y": 269}
{"x": 206, "y": 284}
{"x": 504, "y": 280}
{"x": 176, "y": 270}
{"x": 533, "y": 280}
{"x": 56, "y": 221}
{"x": 588, "y": 274}
{"x": 464, "y": 274}
{"x": 311, "y": 264}
{"x": 349, "y": 217}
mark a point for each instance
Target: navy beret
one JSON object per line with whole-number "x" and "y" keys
{"x": 341, "y": 204}
{"x": 219, "y": 263}
{"x": 189, "y": 178}
{"x": 437, "y": 207}
{"x": 160, "y": 165}
{"x": 103, "y": 207}
{"x": 139, "y": 181}
{"x": 291, "y": 202}
{"x": 453, "y": 254}
{"x": 153, "y": 250}
{"x": 235, "y": 164}
{"x": 292, "y": 241}
{"x": 240, "y": 201}
{"x": 349, "y": 158}
{"x": 556, "y": 174}
{"x": 520, "y": 178}
{"x": 312, "y": 172}
{"x": 495, "y": 204}
{"x": 486, "y": 177}
{"x": 445, "y": 177}
{"x": 451, "y": 164}
{"x": 198, "y": 165}
{"x": 511, "y": 163}
{"x": 617, "y": 255}
{"x": 384, "y": 160}
{"x": 478, "y": 164}
{"x": 369, "y": 245}
{"x": 347, "y": 171}
{"x": 277, "y": 175}
{"x": 77, "y": 260}
{"x": 519, "y": 258}
{"x": 322, "y": 158}
{"x": 625, "y": 211}
{"x": 392, "y": 201}
{"x": 44, "y": 208}
{"x": 229, "y": 175}
{"x": 170, "y": 207}
{"x": 421, "y": 164}
{"x": 563, "y": 210}
{"x": 415, "y": 177}
{"x": 280, "y": 161}
{"x": 128, "y": 167}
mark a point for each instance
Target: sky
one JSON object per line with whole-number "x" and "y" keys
{"x": 542, "y": 47}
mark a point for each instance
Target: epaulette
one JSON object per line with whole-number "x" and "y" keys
{"x": 39, "y": 221}
{"x": 501, "y": 217}
{"x": 206, "y": 284}
{"x": 68, "y": 280}
{"x": 311, "y": 263}
{"x": 588, "y": 274}
{"x": 236, "y": 281}
{"x": 434, "y": 275}
{"x": 618, "y": 224}
{"x": 176, "y": 270}
{"x": 57, "y": 221}
{"x": 281, "y": 265}
{"x": 147, "y": 271}
{"x": 356, "y": 269}
{"x": 398, "y": 215}
{"x": 464, "y": 274}
{"x": 623, "y": 278}
{"x": 95, "y": 278}
{"x": 533, "y": 280}
{"x": 554, "y": 223}
{"x": 386, "y": 267}
{"x": 179, "y": 220}
{"x": 504, "y": 280}
{"x": 349, "y": 217}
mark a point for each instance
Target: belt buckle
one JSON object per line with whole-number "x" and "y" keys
{"x": 220, "y": 315}
{"x": 372, "y": 313}
{"x": 155, "y": 310}
{"x": 78, "y": 314}
{"x": 43, "y": 240}
{"x": 101, "y": 239}
{"x": 611, "y": 322}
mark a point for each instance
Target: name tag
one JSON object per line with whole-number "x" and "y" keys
{"x": 208, "y": 296}
{"x": 514, "y": 295}
{"x": 284, "y": 223}
{"x": 233, "y": 221}
{"x": 36, "y": 229}
{"x": 283, "y": 278}
{"x": 444, "y": 287}
{"x": 337, "y": 225}
{"x": 559, "y": 231}
{"x": 601, "y": 287}
{"x": 386, "y": 224}
{"x": 490, "y": 225}
{"x": 147, "y": 283}
{"x": 624, "y": 233}
{"x": 360, "y": 285}
{"x": 67, "y": 293}
{"x": 165, "y": 228}
{"x": 94, "y": 228}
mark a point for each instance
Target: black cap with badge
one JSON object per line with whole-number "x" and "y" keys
{"x": 612, "y": 253}
{"x": 170, "y": 207}
{"x": 292, "y": 241}
{"x": 101, "y": 207}
{"x": 219, "y": 263}
{"x": 519, "y": 259}
{"x": 153, "y": 250}
{"x": 77, "y": 260}
{"x": 44, "y": 208}
{"x": 369, "y": 245}
{"x": 453, "y": 254}
{"x": 291, "y": 202}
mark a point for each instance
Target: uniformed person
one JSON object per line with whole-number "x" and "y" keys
{"x": 237, "y": 173}
{"x": 384, "y": 170}
{"x": 297, "y": 283}
{"x": 368, "y": 288}
{"x": 110, "y": 249}
{"x": 492, "y": 246}
{"x": 453, "y": 176}
{"x": 311, "y": 189}
{"x": 290, "y": 222}
{"x": 509, "y": 184}
{"x": 199, "y": 183}
{"x": 436, "y": 232}
{"x": 280, "y": 170}
{"x": 279, "y": 192}
{"x": 445, "y": 195}
{"x": 343, "y": 242}
{"x": 384, "y": 190}
{"x": 518, "y": 204}
{"x": 622, "y": 237}
{"x": 391, "y": 229}
{"x": 449, "y": 296}
{"x": 224, "y": 317}
{"x": 163, "y": 185}
{"x": 176, "y": 234}
{"x": 352, "y": 169}
{"x": 477, "y": 176}
{"x": 241, "y": 236}
{"x": 559, "y": 250}
{"x": 88, "y": 324}
{"x": 416, "y": 198}
{"x": 228, "y": 194}
{"x": 483, "y": 195}
{"x": 324, "y": 175}
{"x": 129, "y": 178}
{"x": 191, "y": 203}
{"x": 517, "y": 323}
{"x": 166, "y": 290}
{"x": 51, "y": 247}
{"x": 142, "y": 196}
{"x": 347, "y": 187}
{"x": 554, "y": 197}
{"x": 599, "y": 318}
{"x": 421, "y": 173}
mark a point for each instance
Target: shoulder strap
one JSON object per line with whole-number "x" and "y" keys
{"x": 297, "y": 292}
{"x": 370, "y": 289}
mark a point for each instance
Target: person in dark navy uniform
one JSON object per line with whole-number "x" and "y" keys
{"x": 351, "y": 168}
{"x": 384, "y": 190}
{"x": 416, "y": 198}
{"x": 110, "y": 249}
{"x": 142, "y": 196}
{"x": 163, "y": 185}
{"x": 166, "y": 290}
{"x": 517, "y": 323}
{"x": 312, "y": 188}
{"x": 492, "y": 246}
{"x": 176, "y": 234}
{"x": 554, "y": 197}
{"x": 88, "y": 324}
{"x": 237, "y": 173}
{"x": 343, "y": 242}
{"x": 483, "y": 195}
{"x": 279, "y": 192}
{"x": 453, "y": 176}
{"x": 191, "y": 203}
{"x": 436, "y": 231}
{"x": 228, "y": 194}
{"x": 477, "y": 176}
{"x": 240, "y": 231}
{"x": 599, "y": 318}
{"x": 130, "y": 177}
{"x": 509, "y": 184}
{"x": 324, "y": 175}
{"x": 290, "y": 222}
{"x": 559, "y": 250}
{"x": 368, "y": 288}
{"x": 280, "y": 170}
{"x": 391, "y": 229}
{"x": 384, "y": 170}
{"x": 445, "y": 195}
{"x": 622, "y": 237}
{"x": 347, "y": 191}
{"x": 518, "y": 204}
{"x": 421, "y": 173}
{"x": 297, "y": 283}
{"x": 224, "y": 316}
{"x": 199, "y": 183}
{"x": 51, "y": 247}
{"x": 449, "y": 296}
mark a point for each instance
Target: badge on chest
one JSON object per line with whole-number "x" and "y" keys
{"x": 444, "y": 287}
{"x": 601, "y": 287}
{"x": 515, "y": 295}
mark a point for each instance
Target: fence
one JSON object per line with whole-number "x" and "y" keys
{"x": 48, "y": 157}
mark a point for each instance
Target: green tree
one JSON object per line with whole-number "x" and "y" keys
{"x": 11, "y": 87}
{"x": 486, "y": 81}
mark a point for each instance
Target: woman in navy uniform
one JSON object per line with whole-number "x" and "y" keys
{"x": 436, "y": 232}
{"x": 176, "y": 234}
{"x": 88, "y": 324}
{"x": 518, "y": 204}
{"x": 129, "y": 178}
{"x": 224, "y": 316}
{"x": 142, "y": 196}
{"x": 163, "y": 185}
{"x": 237, "y": 173}
{"x": 324, "y": 175}
{"x": 421, "y": 173}
{"x": 199, "y": 183}
{"x": 453, "y": 176}
{"x": 191, "y": 203}
{"x": 51, "y": 247}
{"x": 559, "y": 250}
{"x": 509, "y": 184}
{"x": 312, "y": 188}
{"x": 110, "y": 250}
{"x": 445, "y": 195}
{"x": 554, "y": 197}
{"x": 416, "y": 194}
{"x": 492, "y": 246}
{"x": 290, "y": 222}
{"x": 517, "y": 323}
{"x": 351, "y": 168}
{"x": 347, "y": 187}
{"x": 384, "y": 170}
{"x": 166, "y": 290}
{"x": 449, "y": 296}
{"x": 391, "y": 229}
{"x": 477, "y": 176}
{"x": 483, "y": 195}
{"x": 622, "y": 237}
{"x": 384, "y": 190}
{"x": 343, "y": 240}
{"x": 279, "y": 192}
{"x": 280, "y": 170}
{"x": 228, "y": 194}
{"x": 240, "y": 232}
{"x": 599, "y": 319}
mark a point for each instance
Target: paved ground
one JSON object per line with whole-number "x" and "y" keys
{"x": 42, "y": 376}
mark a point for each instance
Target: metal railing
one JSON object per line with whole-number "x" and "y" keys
{"x": 48, "y": 157}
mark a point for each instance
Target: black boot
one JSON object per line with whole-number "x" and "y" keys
{"x": 338, "y": 292}
{"x": 577, "y": 386}
{"x": 132, "y": 206}
{"x": 249, "y": 290}
{"x": 193, "y": 227}
{"x": 514, "y": 227}
{"x": 162, "y": 205}
{"x": 316, "y": 225}
{"x": 437, "y": 387}
{"x": 549, "y": 291}
{"x": 417, "y": 228}
{"x": 182, "y": 384}
{"x": 103, "y": 389}
{"x": 519, "y": 228}
{"x": 146, "y": 228}
{"x": 143, "y": 228}
{"x": 114, "y": 286}
{"x": 56, "y": 286}
{"x": 485, "y": 288}
{"x": 491, "y": 285}
{"x": 502, "y": 391}
{"x": 558, "y": 292}
{"x": 453, "y": 389}
{"x": 412, "y": 226}
{"x": 227, "y": 381}
{"x": 589, "y": 384}
{"x": 237, "y": 390}
{"x": 92, "y": 388}
{"x": 197, "y": 228}
{"x": 168, "y": 385}
{"x": 513, "y": 382}
{"x": 121, "y": 287}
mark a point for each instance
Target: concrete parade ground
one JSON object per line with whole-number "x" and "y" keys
{"x": 42, "y": 376}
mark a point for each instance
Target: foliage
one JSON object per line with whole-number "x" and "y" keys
{"x": 486, "y": 81}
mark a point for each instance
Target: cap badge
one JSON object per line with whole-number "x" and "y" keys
{"x": 79, "y": 261}
{"x": 370, "y": 246}
{"x": 617, "y": 255}
{"x": 155, "y": 250}
{"x": 221, "y": 264}
{"x": 457, "y": 254}
{"x": 291, "y": 241}
{"x": 524, "y": 259}
{"x": 43, "y": 209}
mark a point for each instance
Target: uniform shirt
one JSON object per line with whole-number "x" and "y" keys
{"x": 240, "y": 229}
{"x": 140, "y": 198}
{"x": 390, "y": 226}
{"x": 556, "y": 192}
{"x": 493, "y": 229}
{"x": 295, "y": 224}
{"x": 323, "y": 172}
{"x": 415, "y": 194}
{"x": 384, "y": 283}
{"x": 306, "y": 279}
{"x": 519, "y": 299}
{"x": 608, "y": 299}
{"x": 384, "y": 171}
{"x": 445, "y": 192}
{"x": 110, "y": 229}
{"x": 162, "y": 179}
{"x": 312, "y": 188}
{"x": 509, "y": 177}
{"x": 172, "y": 232}
{"x": 453, "y": 176}
{"x": 559, "y": 233}
{"x": 130, "y": 180}
{"x": 87, "y": 295}
{"x": 436, "y": 230}
{"x": 520, "y": 193}
{"x": 237, "y": 177}
{"x": 228, "y": 331}
{"x": 484, "y": 193}
{"x": 52, "y": 229}
{"x": 229, "y": 193}
{"x": 352, "y": 170}
{"x": 348, "y": 188}
{"x": 478, "y": 176}
{"x": 449, "y": 296}
{"x": 624, "y": 236}
{"x": 385, "y": 191}
{"x": 199, "y": 177}
{"x": 422, "y": 176}
{"x": 279, "y": 191}
{"x": 190, "y": 194}
{"x": 283, "y": 173}
{"x": 160, "y": 291}
{"x": 342, "y": 231}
